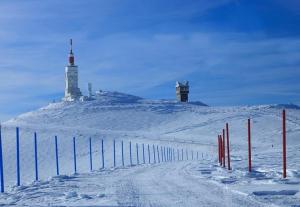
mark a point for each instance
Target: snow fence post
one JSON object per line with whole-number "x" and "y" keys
{"x": 91, "y": 155}
{"x": 192, "y": 155}
{"x": 167, "y": 154}
{"x": 102, "y": 152}
{"x": 56, "y": 156}
{"x": 284, "y": 142}
{"x": 166, "y": 159}
{"x": 18, "y": 156}
{"x": 219, "y": 148}
{"x": 162, "y": 154}
{"x": 74, "y": 155}
{"x": 197, "y": 155}
{"x": 1, "y": 162}
{"x": 181, "y": 154}
{"x": 223, "y": 148}
{"x": 149, "y": 161}
{"x": 228, "y": 150}
{"x": 114, "y": 148}
{"x": 249, "y": 146}
{"x": 187, "y": 154}
{"x": 137, "y": 154}
{"x": 143, "y": 153}
{"x": 177, "y": 154}
{"x": 158, "y": 158}
{"x": 130, "y": 155}
{"x": 122, "y": 153}
{"x": 154, "y": 157}
{"x": 36, "y": 157}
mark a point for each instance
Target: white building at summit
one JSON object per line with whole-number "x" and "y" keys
{"x": 72, "y": 91}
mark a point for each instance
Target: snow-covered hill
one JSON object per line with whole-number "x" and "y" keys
{"x": 192, "y": 126}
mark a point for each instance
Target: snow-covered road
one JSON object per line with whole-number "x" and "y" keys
{"x": 169, "y": 184}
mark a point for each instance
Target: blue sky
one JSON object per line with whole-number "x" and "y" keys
{"x": 232, "y": 52}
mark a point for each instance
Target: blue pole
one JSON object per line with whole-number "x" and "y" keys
{"x": 192, "y": 155}
{"x": 122, "y": 154}
{"x": 177, "y": 154}
{"x": 154, "y": 157}
{"x": 56, "y": 156}
{"x": 168, "y": 158}
{"x": 91, "y": 155}
{"x": 36, "y": 157}
{"x": 18, "y": 157}
{"x": 143, "y": 154}
{"x": 130, "y": 155}
{"x": 137, "y": 154}
{"x": 74, "y": 155}
{"x": 102, "y": 153}
{"x": 187, "y": 154}
{"x": 114, "y": 153}
{"x": 1, "y": 163}
{"x": 149, "y": 161}
{"x": 182, "y": 154}
{"x": 157, "y": 154}
{"x": 165, "y": 154}
{"x": 162, "y": 154}
{"x": 197, "y": 156}
{"x": 173, "y": 154}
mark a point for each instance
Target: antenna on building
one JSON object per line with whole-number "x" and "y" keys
{"x": 71, "y": 55}
{"x": 71, "y": 45}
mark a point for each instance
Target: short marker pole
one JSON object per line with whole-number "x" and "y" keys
{"x": 102, "y": 153}
{"x": 56, "y": 156}
{"x": 148, "y": 154}
{"x": 122, "y": 147}
{"x": 158, "y": 158}
{"x": 284, "y": 142}
{"x": 74, "y": 155}
{"x": 162, "y": 154}
{"x": 154, "y": 157}
{"x": 18, "y": 156}
{"x": 1, "y": 163}
{"x": 36, "y": 157}
{"x": 130, "y": 153}
{"x": 144, "y": 154}
{"x": 223, "y": 148}
{"x": 228, "y": 150}
{"x": 91, "y": 154}
{"x": 137, "y": 154}
{"x": 249, "y": 146}
{"x": 114, "y": 148}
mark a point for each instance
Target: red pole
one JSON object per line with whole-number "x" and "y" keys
{"x": 249, "y": 145}
{"x": 223, "y": 149}
{"x": 228, "y": 153}
{"x": 220, "y": 148}
{"x": 284, "y": 142}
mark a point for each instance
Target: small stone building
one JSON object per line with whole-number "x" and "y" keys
{"x": 182, "y": 91}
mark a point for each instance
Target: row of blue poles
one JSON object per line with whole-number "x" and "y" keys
{"x": 159, "y": 154}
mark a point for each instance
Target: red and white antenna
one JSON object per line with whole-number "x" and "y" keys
{"x": 71, "y": 55}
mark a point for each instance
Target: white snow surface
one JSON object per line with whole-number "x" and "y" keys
{"x": 189, "y": 126}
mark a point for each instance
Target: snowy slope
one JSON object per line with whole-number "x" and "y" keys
{"x": 191, "y": 126}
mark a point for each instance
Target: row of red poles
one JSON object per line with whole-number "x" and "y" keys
{"x": 222, "y": 149}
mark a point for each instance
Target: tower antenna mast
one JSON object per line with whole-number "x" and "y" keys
{"x": 71, "y": 44}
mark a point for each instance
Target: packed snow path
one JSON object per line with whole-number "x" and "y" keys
{"x": 171, "y": 184}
